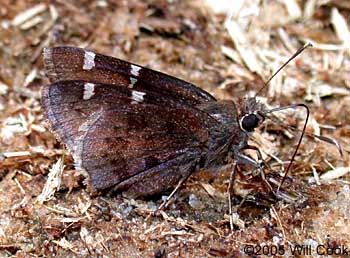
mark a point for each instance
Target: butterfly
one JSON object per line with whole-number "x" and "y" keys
{"x": 139, "y": 130}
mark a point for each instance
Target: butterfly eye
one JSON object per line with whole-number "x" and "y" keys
{"x": 250, "y": 122}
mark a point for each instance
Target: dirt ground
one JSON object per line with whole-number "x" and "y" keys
{"x": 228, "y": 48}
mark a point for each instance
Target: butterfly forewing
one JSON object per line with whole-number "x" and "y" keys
{"x": 70, "y": 63}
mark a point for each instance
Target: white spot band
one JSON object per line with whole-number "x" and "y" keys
{"x": 135, "y": 70}
{"x": 89, "y": 60}
{"x": 89, "y": 90}
{"x": 132, "y": 82}
{"x": 137, "y": 96}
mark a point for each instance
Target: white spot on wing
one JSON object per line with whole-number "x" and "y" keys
{"x": 137, "y": 96}
{"x": 89, "y": 60}
{"x": 135, "y": 70}
{"x": 89, "y": 89}
{"x": 132, "y": 82}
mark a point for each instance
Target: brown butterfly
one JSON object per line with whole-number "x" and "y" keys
{"x": 139, "y": 130}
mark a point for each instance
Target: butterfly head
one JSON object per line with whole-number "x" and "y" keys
{"x": 251, "y": 114}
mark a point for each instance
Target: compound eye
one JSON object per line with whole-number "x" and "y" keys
{"x": 250, "y": 122}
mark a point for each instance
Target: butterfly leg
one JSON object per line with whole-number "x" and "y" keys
{"x": 229, "y": 191}
{"x": 262, "y": 173}
{"x": 251, "y": 147}
{"x": 243, "y": 159}
{"x": 167, "y": 200}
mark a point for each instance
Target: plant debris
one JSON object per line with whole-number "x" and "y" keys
{"x": 229, "y": 49}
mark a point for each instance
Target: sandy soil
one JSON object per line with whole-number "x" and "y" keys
{"x": 229, "y": 48}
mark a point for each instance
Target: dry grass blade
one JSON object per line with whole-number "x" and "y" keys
{"x": 341, "y": 28}
{"x": 335, "y": 173}
{"x": 241, "y": 43}
{"x": 309, "y": 8}
{"x": 53, "y": 182}
{"x": 293, "y": 9}
{"x": 28, "y": 14}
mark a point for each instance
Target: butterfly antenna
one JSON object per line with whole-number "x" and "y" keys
{"x": 312, "y": 135}
{"x": 300, "y": 138}
{"x": 284, "y": 65}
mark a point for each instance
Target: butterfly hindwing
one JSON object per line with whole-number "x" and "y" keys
{"x": 116, "y": 133}
{"x": 162, "y": 176}
{"x": 125, "y": 150}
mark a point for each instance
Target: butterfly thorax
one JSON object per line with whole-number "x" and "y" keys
{"x": 224, "y": 133}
